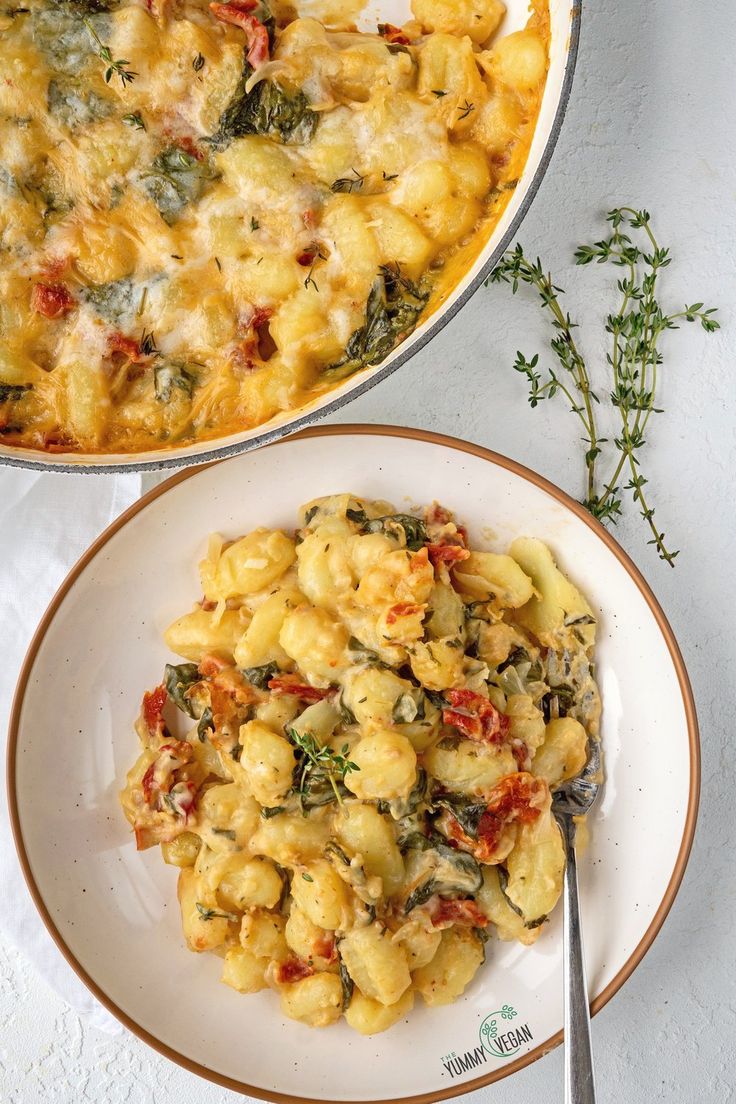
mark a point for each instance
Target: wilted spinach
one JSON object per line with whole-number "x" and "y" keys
{"x": 392, "y": 312}
{"x": 11, "y": 392}
{"x": 175, "y": 179}
{"x": 465, "y": 811}
{"x": 172, "y": 374}
{"x": 178, "y": 680}
{"x": 414, "y": 529}
{"x": 266, "y": 109}
{"x": 261, "y": 676}
{"x": 76, "y": 107}
{"x": 111, "y": 301}
{"x": 206, "y": 722}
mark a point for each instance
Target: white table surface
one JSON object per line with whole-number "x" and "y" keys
{"x": 652, "y": 122}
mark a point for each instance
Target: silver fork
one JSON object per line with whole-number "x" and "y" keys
{"x": 574, "y": 798}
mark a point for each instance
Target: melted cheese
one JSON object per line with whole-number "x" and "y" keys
{"x": 142, "y": 242}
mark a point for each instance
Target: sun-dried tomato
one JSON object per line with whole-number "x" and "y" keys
{"x": 292, "y": 684}
{"x": 293, "y": 969}
{"x": 476, "y": 717}
{"x": 153, "y": 704}
{"x": 51, "y": 300}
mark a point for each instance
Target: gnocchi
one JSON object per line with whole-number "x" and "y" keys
{"x": 354, "y": 810}
{"x": 323, "y": 191}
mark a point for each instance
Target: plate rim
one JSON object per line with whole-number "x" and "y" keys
{"x": 499, "y": 460}
{"x": 17, "y": 459}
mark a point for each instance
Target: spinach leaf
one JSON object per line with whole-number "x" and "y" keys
{"x": 206, "y": 722}
{"x": 261, "y": 676}
{"x": 454, "y": 872}
{"x": 59, "y": 33}
{"x": 557, "y": 702}
{"x": 174, "y": 180}
{"x": 178, "y": 679}
{"x": 465, "y": 811}
{"x": 414, "y": 529}
{"x": 405, "y": 709}
{"x": 172, "y": 374}
{"x": 111, "y": 301}
{"x": 11, "y": 392}
{"x": 420, "y": 895}
{"x": 267, "y": 813}
{"x": 392, "y": 312}
{"x": 76, "y": 107}
{"x": 413, "y": 839}
{"x": 361, "y": 654}
{"x": 346, "y": 714}
{"x": 347, "y": 985}
{"x": 268, "y": 109}
{"x": 85, "y": 7}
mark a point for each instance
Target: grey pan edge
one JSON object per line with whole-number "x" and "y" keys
{"x": 268, "y": 437}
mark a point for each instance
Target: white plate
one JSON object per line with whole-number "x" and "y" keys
{"x": 113, "y": 911}
{"x": 565, "y": 33}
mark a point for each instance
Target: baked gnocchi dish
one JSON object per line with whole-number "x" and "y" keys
{"x": 353, "y": 765}
{"x": 214, "y": 213}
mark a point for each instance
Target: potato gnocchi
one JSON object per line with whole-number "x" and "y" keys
{"x": 353, "y": 767}
{"x": 214, "y": 213}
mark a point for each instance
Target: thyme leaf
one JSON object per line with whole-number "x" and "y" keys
{"x": 634, "y": 330}
{"x": 348, "y": 183}
{"x": 212, "y": 914}
{"x": 319, "y": 763}
{"x": 113, "y": 65}
{"x": 134, "y": 119}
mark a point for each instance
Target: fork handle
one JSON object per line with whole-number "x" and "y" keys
{"x": 579, "y": 1080}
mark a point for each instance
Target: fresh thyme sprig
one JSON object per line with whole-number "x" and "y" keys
{"x": 332, "y": 765}
{"x": 127, "y": 76}
{"x": 635, "y": 331}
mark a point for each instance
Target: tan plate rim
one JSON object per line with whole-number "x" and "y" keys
{"x": 685, "y": 689}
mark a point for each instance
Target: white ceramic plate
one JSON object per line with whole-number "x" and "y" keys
{"x": 565, "y": 33}
{"x": 114, "y": 912}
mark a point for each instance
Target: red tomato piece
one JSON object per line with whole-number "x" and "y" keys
{"x": 210, "y": 665}
{"x": 293, "y": 969}
{"x": 464, "y": 914}
{"x": 477, "y": 717}
{"x": 514, "y": 798}
{"x": 190, "y": 146}
{"x": 153, "y": 704}
{"x": 393, "y": 34}
{"x": 401, "y": 609}
{"x": 291, "y": 684}
{"x": 158, "y": 777}
{"x": 128, "y": 346}
{"x": 446, "y": 553}
{"x": 256, "y": 34}
{"x": 51, "y": 300}
{"x": 307, "y": 256}
{"x": 520, "y": 752}
{"x": 325, "y": 947}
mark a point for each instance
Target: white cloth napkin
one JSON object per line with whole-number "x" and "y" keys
{"x": 46, "y": 522}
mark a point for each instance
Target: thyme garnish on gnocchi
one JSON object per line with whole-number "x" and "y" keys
{"x": 352, "y": 764}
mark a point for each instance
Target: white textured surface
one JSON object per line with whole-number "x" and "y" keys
{"x": 651, "y": 122}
